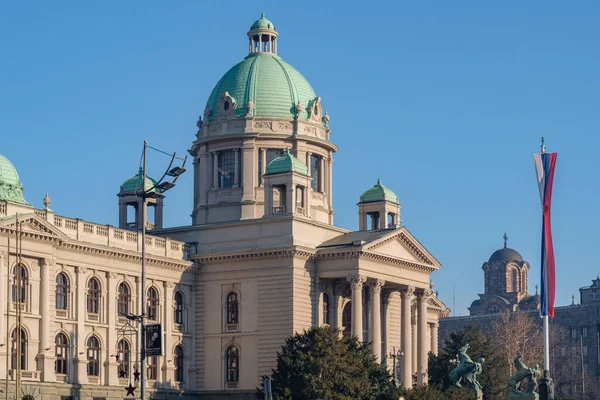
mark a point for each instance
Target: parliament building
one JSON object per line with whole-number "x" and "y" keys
{"x": 260, "y": 260}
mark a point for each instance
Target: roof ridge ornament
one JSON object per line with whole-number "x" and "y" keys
{"x": 505, "y": 239}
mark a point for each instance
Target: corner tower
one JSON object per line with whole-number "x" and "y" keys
{"x": 260, "y": 107}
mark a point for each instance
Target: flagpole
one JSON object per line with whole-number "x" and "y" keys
{"x": 545, "y": 176}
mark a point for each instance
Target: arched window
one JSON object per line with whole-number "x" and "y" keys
{"x": 62, "y": 290}
{"x": 61, "y": 353}
{"x": 326, "y": 309}
{"x": 178, "y": 364}
{"x": 232, "y": 308}
{"x": 232, "y": 361}
{"x": 178, "y": 308}
{"x": 347, "y": 320}
{"x": 152, "y": 304}
{"x": 514, "y": 281}
{"x": 19, "y": 284}
{"x": 152, "y": 370}
{"x": 123, "y": 351}
{"x": 494, "y": 310}
{"x": 19, "y": 352}
{"x": 93, "y": 356}
{"x": 124, "y": 297}
{"x": 93, "y": 296}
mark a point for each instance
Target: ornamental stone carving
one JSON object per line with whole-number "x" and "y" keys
{"x": 376, "y": 285}
{"x": 424, "y": 294}
{"x": 299, "y": 109}
{"x": 80, "y": 270}
{"x": 12, "y": 192}
{"x": 249, "y": 108}
{"x": 264, "y": 125}
{"x": 407, "y": 291}
{"x": 3, "y": 258}
{"x": 357, "y": 281}
{"x": 326, "y": 119}
{"x": 206, "y": 113}
{"x": 48, "y": 262}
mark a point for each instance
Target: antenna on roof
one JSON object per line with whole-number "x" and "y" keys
{"x": 454, "y": 299}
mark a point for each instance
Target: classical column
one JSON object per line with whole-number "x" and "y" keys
{"x": 204, "y": 176}
{"x": 215, "y": 183}
{"x": 112, "y": 377}
{"x": 357, "y": 282}
{"x": 45, "y": 353}
{"x": 236, "y": 171}
{"x": 80, "y": 350}
{"x": 434, "y": 339}
{"x": 3, "y": 320}
{"x": 406, "y": 293}
{"x": 308, "y": 154}
{"x": 375, "y": 328}
{"x": 250, "y": 175}
{"x": 423, "y": 342}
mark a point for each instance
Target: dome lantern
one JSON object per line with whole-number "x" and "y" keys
{"x": 379, "y": 208}
{"x": 129, "y": 198}
{"x": 262, "y": 36}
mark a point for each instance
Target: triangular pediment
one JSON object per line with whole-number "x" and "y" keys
{"x": 32, "y": 223}
{"x": 402, "y": 244}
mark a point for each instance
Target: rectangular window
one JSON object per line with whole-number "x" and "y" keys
{"x": 226, "y": 168}
{"x": 584, "y": 349}
{"x": 152, "y": 368}
{"x": 315, "y": 173}
{"x": 584, "y": 331}
{"x": 573, "y": 333}
{"x": 260, "y": 166}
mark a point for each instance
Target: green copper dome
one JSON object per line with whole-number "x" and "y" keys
{"x": 274, "y": 86}
{"x": 11, "y": 188}
{"x": 134, "y": 184}
{"x": 378, "y": 193}
{"x": 286, "y": 163}
{"x": 262, "y": 22}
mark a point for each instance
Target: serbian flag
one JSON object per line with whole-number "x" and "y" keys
{"x": 544, "y": 167}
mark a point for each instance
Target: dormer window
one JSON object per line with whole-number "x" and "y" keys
{"x": 226, "y": 106}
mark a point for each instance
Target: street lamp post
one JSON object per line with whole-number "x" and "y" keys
{"x": 159, "y": 187}
{"x": 396, "y": 355}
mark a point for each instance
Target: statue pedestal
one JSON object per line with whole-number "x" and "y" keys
{"x": 522, "y": 396}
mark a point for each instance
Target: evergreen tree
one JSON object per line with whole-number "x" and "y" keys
{"x": 318, "y": 364}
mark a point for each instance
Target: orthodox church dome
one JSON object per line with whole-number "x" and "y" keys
{"x": 11, "y": 188}
{"x": 134, "y": 184}
{"x": 505, "y": 254}
{"x": 287, "y": 163}
{"x": 378, "y": 193}
{"x": 272, "y": 87}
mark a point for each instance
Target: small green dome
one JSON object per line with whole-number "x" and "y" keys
{"x": 274, "y": 86}
{"x": 134, "y": 184}
{"x": 286, "y": 163}
{"x": 262, "y": 22}
{"x": 11, "y": 188}
{"x": 378, "y": 193}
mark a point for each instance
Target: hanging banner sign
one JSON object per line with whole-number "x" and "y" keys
{"x": 153, "y": 340}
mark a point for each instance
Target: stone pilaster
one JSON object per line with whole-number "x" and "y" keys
{"x": 80, "y": 348}
{"x": 3, "y": 320}
{"x": 433, "y": 347}
{"x": 45, "y": 354}
{"x": 406, "y": 341}
{"x": 168, "y": 367}
{"x": 112, "y": 377}
{"x": 357, "y": 282}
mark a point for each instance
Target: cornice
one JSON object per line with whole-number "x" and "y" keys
{"x": 88, "y": 248}
{"x": 280, "y": 252}
{"x": 357, "y": 254}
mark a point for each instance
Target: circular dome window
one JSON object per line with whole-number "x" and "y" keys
{"x": 226, "y": 106}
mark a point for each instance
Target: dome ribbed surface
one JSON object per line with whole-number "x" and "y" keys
{"x": 262, "y": 22}
{"x": 11, "y": 188}
{"x": 286, "y": 163}
{"x": 134, "y": 184}
{"x": 378, "y": 193}
{"x": 274, "y": 86}
{"x": 505, "y": 255}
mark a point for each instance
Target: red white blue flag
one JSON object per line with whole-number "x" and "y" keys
{"x": 544, "y": 166}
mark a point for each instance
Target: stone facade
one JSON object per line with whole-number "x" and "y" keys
{"x": 260, "y": 261}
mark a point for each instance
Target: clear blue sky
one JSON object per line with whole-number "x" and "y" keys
{"x": 444, "y": 101}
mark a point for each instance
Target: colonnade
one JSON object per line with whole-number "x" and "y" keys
{"x": 418, "y": 335}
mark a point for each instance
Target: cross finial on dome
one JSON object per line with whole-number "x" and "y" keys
{"x": 536, "y": 289}
{"x": 505, "y": 239}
